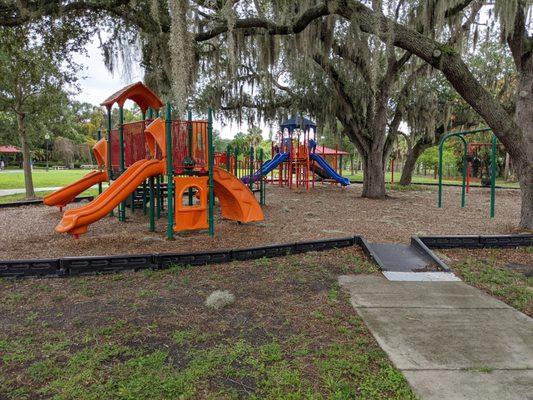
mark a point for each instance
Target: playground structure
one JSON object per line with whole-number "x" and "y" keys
{"x": 295, "y": 163}
{"x": 138, "y": 157}
{"x": 468, "y": 149}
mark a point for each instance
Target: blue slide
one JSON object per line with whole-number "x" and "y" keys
{"x": 267, "y": 167}
{"x": 325, "y": 170}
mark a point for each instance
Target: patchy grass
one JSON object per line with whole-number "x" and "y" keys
{"x": 408, "y": 188}
{"x": 488, "y": 269}
{"x": 291, "y": 334}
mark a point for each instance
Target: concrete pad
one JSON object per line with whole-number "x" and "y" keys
{"x": 420, "y": 276}
{"x": 461, "y": 385}
{"x": 439, "y": 338}
{"x": 376, "y": 291}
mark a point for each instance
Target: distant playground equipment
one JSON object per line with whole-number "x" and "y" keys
{"x": 468, "y": 152}
{"x": 138, "y": 157}
{"x": 298, "y": 160}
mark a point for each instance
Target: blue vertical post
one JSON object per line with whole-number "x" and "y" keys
{"x": 170, "y": 173}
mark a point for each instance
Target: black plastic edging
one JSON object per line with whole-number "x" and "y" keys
{"x": 478, "y": 241}
{"x": 419, "y": 245}
{"x": 40, "y": 201}
{"x": 72, "y": 266}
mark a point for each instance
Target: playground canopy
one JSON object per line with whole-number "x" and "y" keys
{"x": 298, "y": 123}
{"x": 137, "y": 92}
{"x": 8, "y": 149}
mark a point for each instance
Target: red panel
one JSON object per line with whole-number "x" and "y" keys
{"x": 115, "y": 150}
{"x": 134, "y": 143}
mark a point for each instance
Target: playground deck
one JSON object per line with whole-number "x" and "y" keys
{"x": 327, "y": 211}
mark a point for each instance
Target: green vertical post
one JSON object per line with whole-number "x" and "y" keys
{"x": 262, "y": 194}
{"x": 465, "y": 157}
{"x": 158, "y": 196}
{"x": 441, "y": 145}
{"x": 152, "y": 204}
{"x": 251, "y": 168}
{"x": 99, "y": 136}
{"x": 493, "y": 158}
{"x": 211, "y": 166}
{"x": 122, "y": 206}
{"x": 189, "y": 144}
{"x": 228, "y": 158}
{"x": 144, "y": 198}
{"x": 170, "y": 173}
{"x": 109, "y": 166}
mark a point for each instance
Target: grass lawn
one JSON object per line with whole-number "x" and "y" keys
{"x": 504, "y": 273}
{"x": 41, "y": 178}
{"x": 290, "y": 334}
{"x": 429, "y": 179}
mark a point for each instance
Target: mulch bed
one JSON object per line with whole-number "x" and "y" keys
{"x": 325, "y": 211}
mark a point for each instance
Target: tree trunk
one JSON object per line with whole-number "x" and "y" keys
{"x": 26, "y": 156}
{"x": 374, "y": 176}
{"x": 524, "y": 161}
{"x": 410, "y": 162}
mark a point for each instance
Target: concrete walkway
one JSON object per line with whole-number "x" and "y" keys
{"x": 450, "y": 340}
{"x": 9, "y": 192}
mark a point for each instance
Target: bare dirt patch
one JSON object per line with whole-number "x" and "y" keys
{"x": 325, "y": 211}
{"x": 290, "y": 332}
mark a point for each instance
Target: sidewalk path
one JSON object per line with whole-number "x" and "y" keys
{"x": 450, "y": 340}
{"x": 8, "y": 192}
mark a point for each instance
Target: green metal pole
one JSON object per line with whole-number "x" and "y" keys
{"x": 211, "y": 166}
{"x": 122, "y": 206}
{"x": 170, "y": 173}
{"x": 158, "y": 196}
{"x": 251, "y": 169}
{"x": 109, "y": 167}
{"x": 144, "y": 198}
{"x": 493, "y": 176}
{"x": 463, "y": 188}
{"x": 262, "y": 197}
{"x": 441, "y": 146}
{"x": 189, "y": 119}
{"x": 99, "y": 136}
{"x": 152, "y": 204}
{"x": 228, "y": 158}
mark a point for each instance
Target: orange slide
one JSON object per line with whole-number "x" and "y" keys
{"x": 77, "y": 220}
{"x": 237, "y": 202}
{"x": 64, "y": 196}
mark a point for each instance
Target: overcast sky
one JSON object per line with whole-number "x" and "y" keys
{"x": 97, "y": 83}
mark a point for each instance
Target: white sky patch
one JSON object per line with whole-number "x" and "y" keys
{"x": 97, "y": 84}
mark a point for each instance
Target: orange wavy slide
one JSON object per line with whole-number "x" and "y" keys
{"x": 65, "y": 195}
{"x": 237, "y": 202}
{"x": 76, "y": 221}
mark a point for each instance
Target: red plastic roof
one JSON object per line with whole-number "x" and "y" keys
{"x": 329, "y": 152}
{"x": 137, "y": 92}
{"x": 10, "y": 149}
